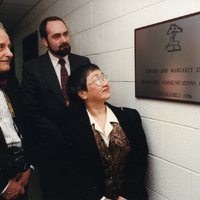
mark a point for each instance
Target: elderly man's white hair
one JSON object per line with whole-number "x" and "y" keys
{"x": 2, "y": 27}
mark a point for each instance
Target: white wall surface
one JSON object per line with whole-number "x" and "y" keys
{"x": 103, "y": 30}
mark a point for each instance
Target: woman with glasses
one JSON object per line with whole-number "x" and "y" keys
{"x": 106, "y": 149}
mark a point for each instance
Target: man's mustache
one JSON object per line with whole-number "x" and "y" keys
{"x": 64, "y": 45}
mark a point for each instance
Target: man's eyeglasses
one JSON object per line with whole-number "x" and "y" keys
{"x": 99, "y": 80}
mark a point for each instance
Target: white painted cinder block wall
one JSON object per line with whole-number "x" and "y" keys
{"x": 103, "y": 30}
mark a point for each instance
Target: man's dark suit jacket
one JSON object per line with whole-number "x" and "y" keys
{"x": 44, "y": 105}
{"x": 6, "y": 169}
{"x": 85, "y": 177}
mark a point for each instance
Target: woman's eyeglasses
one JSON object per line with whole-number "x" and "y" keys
{"x": 99, "y": 80}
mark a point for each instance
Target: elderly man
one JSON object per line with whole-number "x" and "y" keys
{"x": 14, "y": 168}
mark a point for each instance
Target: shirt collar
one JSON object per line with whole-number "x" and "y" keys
{"x": 110, "y": 116}
{"x": 55, "y": 60}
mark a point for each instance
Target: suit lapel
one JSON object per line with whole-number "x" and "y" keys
{"x": 71, "y": 63}
{"x": 123, "y": 119}
{"x": 75, "y": 61}
{"x": 84, "y": 139}
{"x": 52, "y": 79}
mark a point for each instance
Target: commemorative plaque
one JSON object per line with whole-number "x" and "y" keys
{"x": 167, "y": 60}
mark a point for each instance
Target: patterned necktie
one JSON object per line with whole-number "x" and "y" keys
{"x": 64, "y": 76}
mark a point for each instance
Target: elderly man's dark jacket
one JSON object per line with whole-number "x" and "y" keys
{"x": 7, "y": 171}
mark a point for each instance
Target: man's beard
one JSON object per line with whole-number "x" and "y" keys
{"x": 63, "y": 50}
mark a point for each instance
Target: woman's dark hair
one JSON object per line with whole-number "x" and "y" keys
{"x": 43, "y": 25}
{"x": 77, "y": 81}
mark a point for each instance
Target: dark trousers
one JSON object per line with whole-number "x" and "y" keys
{"x": 23, "y": 197}
{"x": 52, "y": 181}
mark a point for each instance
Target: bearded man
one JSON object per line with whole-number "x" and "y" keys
{"x": 45, "y": 101}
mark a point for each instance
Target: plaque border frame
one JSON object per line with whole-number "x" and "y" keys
{"x": 135, "y": 52}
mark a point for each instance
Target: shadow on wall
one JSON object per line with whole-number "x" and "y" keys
{"x": 34, "y": 192}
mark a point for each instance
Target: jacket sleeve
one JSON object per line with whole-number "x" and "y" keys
{"x": 4, "y": 178}
{"x": 134, "y": 188}
{"x": 3, "y": 183}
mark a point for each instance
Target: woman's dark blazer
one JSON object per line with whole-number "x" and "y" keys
{"x": 84, "y": 172}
